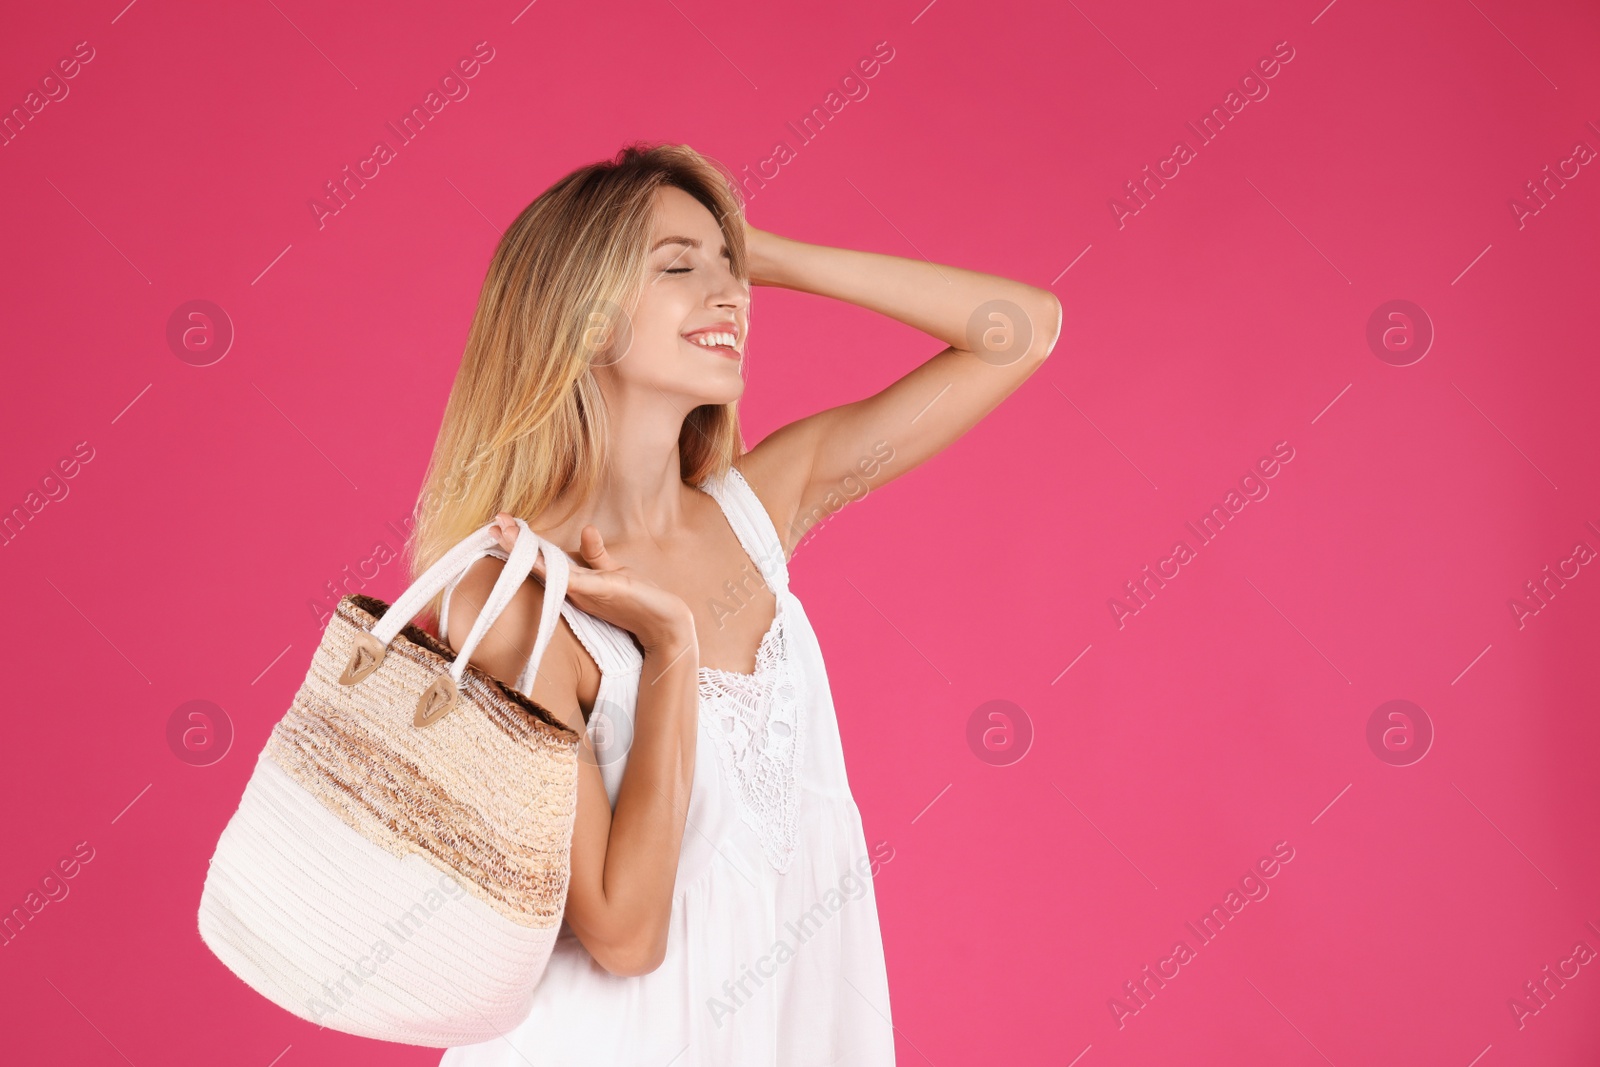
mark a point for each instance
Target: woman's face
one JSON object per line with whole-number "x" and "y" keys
{"x": 689, "y": 295}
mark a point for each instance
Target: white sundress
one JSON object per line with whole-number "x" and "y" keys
{"x": 774, "y": 955}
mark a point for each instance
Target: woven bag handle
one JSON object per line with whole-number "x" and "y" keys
{"x": 518, "y": 566}
{"x": 444, "y": 694}
{"x": 432, "y": 582}
{"x": 529, "y": 546}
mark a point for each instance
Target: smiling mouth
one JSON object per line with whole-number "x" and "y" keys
{"x": 721, "y": 349}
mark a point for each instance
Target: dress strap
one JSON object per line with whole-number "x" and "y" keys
{"x": 753, "y": 526}
{"x": 610, "y": 646}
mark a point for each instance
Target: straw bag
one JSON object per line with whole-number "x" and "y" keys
{"x": 398, "y": 865}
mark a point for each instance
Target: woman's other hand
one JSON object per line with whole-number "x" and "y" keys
{"x": 608, "y": 590}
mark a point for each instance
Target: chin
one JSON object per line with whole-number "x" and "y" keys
{"x": 727, "y": 396}
{"x": 724, "y": 388}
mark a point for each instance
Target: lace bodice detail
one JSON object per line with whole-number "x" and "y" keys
{"x": 756, "y": 722}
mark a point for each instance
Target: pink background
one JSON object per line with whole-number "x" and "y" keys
{"x": 1227, "y": 315}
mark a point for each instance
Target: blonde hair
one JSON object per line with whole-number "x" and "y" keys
{"x": 525, "y": 421}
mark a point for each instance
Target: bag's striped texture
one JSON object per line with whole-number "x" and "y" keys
{"x": 392, "y": 880}
{"x": 488, "y": 792}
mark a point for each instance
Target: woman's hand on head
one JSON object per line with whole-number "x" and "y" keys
{"x": 761, "y": 251}
{"x": 611, "y": 591}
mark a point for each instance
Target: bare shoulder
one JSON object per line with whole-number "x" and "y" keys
{"x": 568, "y": 679}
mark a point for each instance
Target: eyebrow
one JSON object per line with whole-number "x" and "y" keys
{"x": 676, "y": 240}
{"x": 691, "y": 242}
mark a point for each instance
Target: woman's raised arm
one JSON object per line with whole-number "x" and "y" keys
{"x": 998, "y": 332}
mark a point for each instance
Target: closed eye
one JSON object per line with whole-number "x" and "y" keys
{"x": 685, "y": 270}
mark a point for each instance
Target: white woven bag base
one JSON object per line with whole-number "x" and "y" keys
{"x": 396, "y": 974}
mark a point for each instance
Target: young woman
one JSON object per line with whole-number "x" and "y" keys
{"x": 720, "y": 909}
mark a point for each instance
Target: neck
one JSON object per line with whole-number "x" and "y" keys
{"x": 641, "y": 496}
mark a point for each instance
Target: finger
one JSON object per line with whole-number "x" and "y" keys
{"x": 593, "y": 549}
{"x": 539, "y": 564}
{"x": 507, "y": 531}
{"x": 580, "y": 580}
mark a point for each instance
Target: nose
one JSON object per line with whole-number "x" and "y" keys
{"x": 729, "y": 291}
